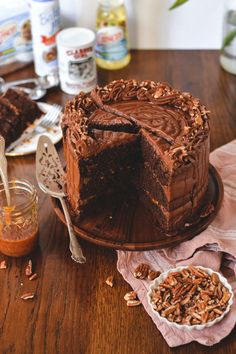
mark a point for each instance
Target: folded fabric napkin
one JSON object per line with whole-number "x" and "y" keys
{"x": 214, "y": 248}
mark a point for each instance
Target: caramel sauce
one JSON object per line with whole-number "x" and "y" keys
{"x": 17, "y": 246}
{"x": 18, "y": 226}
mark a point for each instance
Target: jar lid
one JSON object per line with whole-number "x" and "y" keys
{"x": 110, "y": 3}
{"x": 75, "y": 37}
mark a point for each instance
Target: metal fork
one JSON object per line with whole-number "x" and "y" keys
{"x": 41, "y": 127}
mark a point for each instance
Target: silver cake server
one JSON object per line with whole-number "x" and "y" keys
{"x": 3, "y": 169}
{"x": 50, "y": 177}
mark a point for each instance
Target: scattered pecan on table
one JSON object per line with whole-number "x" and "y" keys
{"x": 33, "y": 276}
{"x": 131, "y": 299}
{"x": 110, "y": 280}
{"x": 27, "y": 296}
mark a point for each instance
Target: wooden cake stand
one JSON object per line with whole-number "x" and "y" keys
{"x": 130, "y": 226}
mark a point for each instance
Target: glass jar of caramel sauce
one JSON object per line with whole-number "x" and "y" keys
{"x": 19, "y": 220}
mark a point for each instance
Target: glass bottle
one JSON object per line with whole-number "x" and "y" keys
{"x": 45, "y": 24}
{"x": 112, "y": 50}
{"x": 19, "y": 221}
{"x": 228, "y": 53}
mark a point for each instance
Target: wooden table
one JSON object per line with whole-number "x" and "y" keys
{"x": 74, "y": 310}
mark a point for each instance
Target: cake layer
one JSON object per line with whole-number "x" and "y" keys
{"x": 98, "y": 183}
{"x": 110, "y": 168}
{"x": 16, "y": 112}
{"x": 27, "y": 108}
{"x": 170, "y": 196}
{"x": 176, "y": 218}
{"x": 123, "y": 147}
{"x": 168, "y": 220}
{"x": 10, "y": 122}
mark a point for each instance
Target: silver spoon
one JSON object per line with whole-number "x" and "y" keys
{"x": 44, "y": 82}
{"x": 48, "y": 81}
{"x": 3, "y": 170}
{"x": 35, "y": 93}
{"x": 50, "y": 177}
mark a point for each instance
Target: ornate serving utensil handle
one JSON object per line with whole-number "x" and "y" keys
{"x": 76, "y": 251}
{"x": 3, "y": 169}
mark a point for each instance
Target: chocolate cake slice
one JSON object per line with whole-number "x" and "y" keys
{"x": 143, "y": 135}
{"x": 10, "y": 121}
{"x": 17, "y": 111}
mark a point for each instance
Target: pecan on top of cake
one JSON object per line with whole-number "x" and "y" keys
{"x": 176, "y": 120}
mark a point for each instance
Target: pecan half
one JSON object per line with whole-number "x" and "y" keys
{"x": 214, "y": 278}
{"x": 132, "y": 303}
{"x": 152, "y": 274}
{"x": 225, "y": 297}
{"x": 141, "y": 271}
{"x": 132, "y": 295}
{"x": 27, "y": 296}
{"x": 204, "y": 317}
{"x": 33, "y": 276}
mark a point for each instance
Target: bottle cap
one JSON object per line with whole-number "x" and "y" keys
{"x": 110, "y": 3}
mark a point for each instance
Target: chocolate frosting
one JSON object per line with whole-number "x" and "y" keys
{"x": 176, "y": 122}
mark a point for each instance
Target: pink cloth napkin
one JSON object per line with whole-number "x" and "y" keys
{"x": 215, "y": 248}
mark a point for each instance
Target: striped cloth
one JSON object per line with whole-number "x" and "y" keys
{"x": 214, "y": 248}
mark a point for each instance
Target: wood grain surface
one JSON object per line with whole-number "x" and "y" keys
{"x": 74, "y": 311}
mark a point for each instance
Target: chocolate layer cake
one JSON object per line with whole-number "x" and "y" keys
{"x": 17, "y": 111}
{"x": 141, "y": 135}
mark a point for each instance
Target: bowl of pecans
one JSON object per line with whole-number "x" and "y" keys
{"x": 190, "y": 297}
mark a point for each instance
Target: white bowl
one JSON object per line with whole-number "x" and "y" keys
{"x": 164, "y": 275}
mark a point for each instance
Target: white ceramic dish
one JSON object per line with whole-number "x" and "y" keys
{"x": 30, "y": 146}
{"x": 163, "y": 276}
